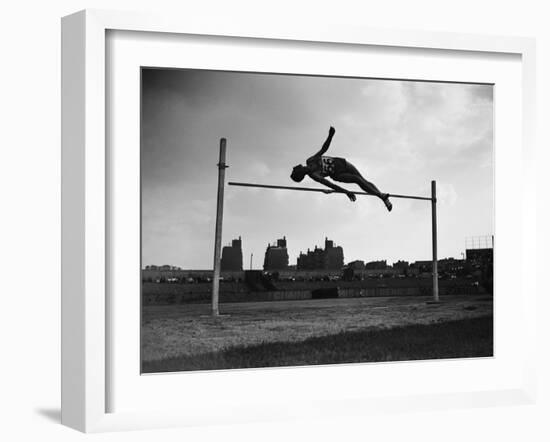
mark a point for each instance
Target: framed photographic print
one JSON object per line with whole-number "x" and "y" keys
{"x": 271, "y": 223}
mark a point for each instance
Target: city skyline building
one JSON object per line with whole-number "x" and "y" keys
{"x": 329, "y": 258}
{"x": 232, "y": 256}
{"x": 276, "y": 255}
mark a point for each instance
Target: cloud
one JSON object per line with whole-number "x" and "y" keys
{"x": 482, "y": 93}
{"x": 446, "y": 194}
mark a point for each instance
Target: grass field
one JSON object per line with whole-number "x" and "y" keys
{"x": 454, "y": 339}
{"x": 185, "y": 337}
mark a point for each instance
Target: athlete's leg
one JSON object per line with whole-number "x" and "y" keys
{"x": 367, "y": 186}
{"x": 352, "y": 175}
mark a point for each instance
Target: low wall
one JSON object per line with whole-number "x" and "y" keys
{"x": 171, "y": 295}
{"x": 205, "y": 297}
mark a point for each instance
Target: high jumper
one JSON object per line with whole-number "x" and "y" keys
{"x": 320, "y": 167}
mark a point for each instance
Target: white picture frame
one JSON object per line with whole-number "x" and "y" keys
{"x": 85, "y": 208}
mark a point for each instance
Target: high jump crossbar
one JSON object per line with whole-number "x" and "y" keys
{"x": 219, "y": 222}
{"x": 313, "y": 189}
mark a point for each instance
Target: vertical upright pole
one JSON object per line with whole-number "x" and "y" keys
{"x": 434, "y": 243}
{"x": 218, "y": 238}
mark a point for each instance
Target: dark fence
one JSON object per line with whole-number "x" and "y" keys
{"x": 166, "y": 294}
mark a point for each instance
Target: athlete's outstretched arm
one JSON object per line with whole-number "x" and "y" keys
{"x": 326, "y": 144}
{"x": 324, "y": 181}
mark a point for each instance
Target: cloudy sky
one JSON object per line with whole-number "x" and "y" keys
{"x": 399, "y": 134}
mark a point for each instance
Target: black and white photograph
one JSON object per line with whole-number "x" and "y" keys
{"x": 302, "y": 220}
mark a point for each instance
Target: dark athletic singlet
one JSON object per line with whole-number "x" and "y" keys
{"x": 328, "y": 166}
